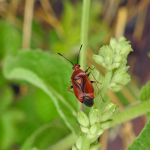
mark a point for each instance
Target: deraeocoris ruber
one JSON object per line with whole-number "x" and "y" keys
{"x": 81, "y": 84}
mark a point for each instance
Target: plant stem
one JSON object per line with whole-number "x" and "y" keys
{"x": 106, "y": 82}
{"x": 84, "y": 35}
{"x": 126, "y": 115}
{"x": 84, "y": 39}
{"x": 132, "y": 112}
{"x": 84, "y": 32}
{"x": 86, "y": 143}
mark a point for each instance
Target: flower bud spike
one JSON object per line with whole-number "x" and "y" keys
{"x": 83, "y": 119}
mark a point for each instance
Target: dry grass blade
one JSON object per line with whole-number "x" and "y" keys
{"x": 51, "y": 17}
{"x": 140, "y": 24}
{"x": 121, "y": 22}
{"x": 28, "y": 15}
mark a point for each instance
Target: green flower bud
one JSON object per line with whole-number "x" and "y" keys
{"x": 126, "y": 79}
{"x": 118, "y": 49}
{"x": 108, "y": 60}
{"x": 84, "y": 129}
{"x": 103, "y": 64}
{"x": 109, "y": 113}
{"x": 113, "y": 43}
{"x": 79, "y": 142}
{"x": 106, "y": 124}
{"x": 100, "y": 132}
{"x": 112, "y": 85}
{"x": 117, "y": 58}
{"x": 110, "y": 67}
{"x": 112, "y": 56}
{"x": 122, "y": 39}
{"x": 120, "y": 78}
{"x": 121, "y": 68}
{"x": 98, "y": 59}
{"x": 115, "y": 88}
{"x": 108, "y": 106}
{"x": 95, "y": 146}
{"x": 74, "y": 147}
{"x": 94, "y": 128}
{"x": 106, "y": 51}
{"x": 124, "y": 46}
{"x": 125, "y": 50}
{"x": 83, "y": 119}
{"x": 116, "y": 65}
{"x": 92, "y": 138}
{"x": 94, "y": 115}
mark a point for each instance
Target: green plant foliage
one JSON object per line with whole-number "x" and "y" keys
{"x": 8, "y": 130}
{"x": 6, "y": 95}
{"x": 37, "y": 35}
{"x": 45, "y": 117}
{"x": 98, "y": 30}
{"x": 10, "y": 39}
{"x": 7, "y": 118}
{"x": 70, "y": 23}
{"x": 142, "y": 142}
{"x": 33, "y": 67}
{"x": 145, "y": 92}
{"x": 44, "y": 107}
{"x": 35, "y": 113}
{"x": 2, "y": 79}
{"x": 46, "y": 136}
{"x": 36, "y": 118}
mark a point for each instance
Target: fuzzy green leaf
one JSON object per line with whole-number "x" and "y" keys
{"x": 142, "y": 142}
{"x": 10, "y": 39}
{"x": 145, "y": 92}
{"x": 6, "y": 97}
{"x": 49, "y": 73}
{"x": 46, "y": 136}
{"x": 8, "y": 121}
{"x": 38, "y": 109}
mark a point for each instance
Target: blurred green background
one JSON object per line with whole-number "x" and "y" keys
{"x": 36, "y": 110}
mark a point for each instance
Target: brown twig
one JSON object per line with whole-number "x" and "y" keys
{"x": 51, "y": 17}
{"x": 28, "y": 15}
{"x": 121, "y": 22}
{"x": 12, "y": 10}
{"x": 140, "y": 23}
{"x": 141, "y": 5}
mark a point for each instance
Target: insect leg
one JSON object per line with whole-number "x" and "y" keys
{"x": 88, "y": 73}
{"x": 97, "y": 86}
{"x": 70, "y": 88}
{"x": 94, "y": 82}
{"x": 88, "y": 69}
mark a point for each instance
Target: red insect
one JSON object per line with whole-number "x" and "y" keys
{"x": 81, "y": 84}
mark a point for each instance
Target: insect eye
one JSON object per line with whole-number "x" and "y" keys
{"x": 73, "y": 68}
{"x": 79, "y": 66}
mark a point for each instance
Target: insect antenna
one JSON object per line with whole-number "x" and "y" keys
{"x": 66, "y": 58}
{"x": 78, "y": 54}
